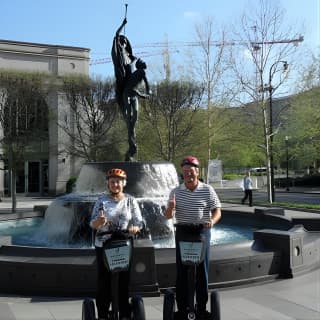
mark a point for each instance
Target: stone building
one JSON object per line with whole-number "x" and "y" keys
{"x": 48, "y": 168}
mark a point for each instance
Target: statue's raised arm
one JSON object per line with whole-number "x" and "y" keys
{"x": 122, "y": 57}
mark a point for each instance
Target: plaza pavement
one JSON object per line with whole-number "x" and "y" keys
{"x": 297, "y": 298}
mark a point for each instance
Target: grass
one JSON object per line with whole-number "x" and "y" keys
{"x": 290, "y": 205}
{"x": 296, "y": 205}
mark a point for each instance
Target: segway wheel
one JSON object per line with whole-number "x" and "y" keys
{"x": 88, "y": 310}
{"x": 168, "y": 305}
{"x": 215, "y": 305}
{"x": 138, "y": 311}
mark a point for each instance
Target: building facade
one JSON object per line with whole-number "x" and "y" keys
{"x": 47, "y": 168}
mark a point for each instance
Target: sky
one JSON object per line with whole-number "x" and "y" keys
{"x": 92, "y": 23}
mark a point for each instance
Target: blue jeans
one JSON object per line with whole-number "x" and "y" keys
{"x": 202, "y": 275}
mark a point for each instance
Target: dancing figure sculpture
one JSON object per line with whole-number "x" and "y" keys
{"x": 129, "y": 73}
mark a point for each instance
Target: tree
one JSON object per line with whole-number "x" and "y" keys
{"x": 310, "y": 75}
{"x": 169, "y": 114}
{"x": 302, "y": 120}
{"x": 90, "y": 118}
{"x": 259, "y": 68}
{"x": 23, "y": 118}
{"x": 303, "y": 129}
{"x": 209, "y": 65}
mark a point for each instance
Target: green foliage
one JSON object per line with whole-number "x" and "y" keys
{"x": 71, "y": 184}
{"x": 232, "y": 176}
{"x": 294, "y": 205}
{"x": 167, "y": 119}
{"x": 303, "y": 127}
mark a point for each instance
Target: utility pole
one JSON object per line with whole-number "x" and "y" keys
{"x": 166, "y": 58}
{"x": 269, "y": 133}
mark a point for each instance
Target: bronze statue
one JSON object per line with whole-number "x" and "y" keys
{"x": 130, "y": 73}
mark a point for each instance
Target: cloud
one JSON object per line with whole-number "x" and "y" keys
{"x": 191, "y": 14}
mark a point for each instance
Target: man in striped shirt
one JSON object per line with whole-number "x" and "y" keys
{"x": 193, "y": 202}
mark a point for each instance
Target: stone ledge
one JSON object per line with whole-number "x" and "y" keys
{"x": 5, "y": 241}
{"x": 270, "y": 210}
{"x": 40, "y": 208}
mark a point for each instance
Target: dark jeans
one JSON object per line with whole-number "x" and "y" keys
{"x": 202, "y": 272}
{"x": 104, "y": 294}
{"x": 247, "y": 194}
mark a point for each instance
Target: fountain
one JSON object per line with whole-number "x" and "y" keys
{"x": 281, "y": 248}
{"x": 67, "y": 218}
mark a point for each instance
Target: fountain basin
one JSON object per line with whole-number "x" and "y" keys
{"x": 71, "y": 272}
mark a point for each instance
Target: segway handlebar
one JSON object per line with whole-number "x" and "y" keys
{"x": 118, "y": 233}
{"x": 189, "y": 227}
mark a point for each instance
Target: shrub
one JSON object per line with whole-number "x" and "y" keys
{"x": 232, "y": 176}
{"x": 71, "y": 184}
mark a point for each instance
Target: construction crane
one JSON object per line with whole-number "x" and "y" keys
{"x": 178, "y": 44}
{"x": 142, "y": 54}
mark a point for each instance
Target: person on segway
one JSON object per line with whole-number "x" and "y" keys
{"x": 119, "y": 209}
{"x": 193, "y": 202}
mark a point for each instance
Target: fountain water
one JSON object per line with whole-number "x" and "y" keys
{"x": 67, "y": 217}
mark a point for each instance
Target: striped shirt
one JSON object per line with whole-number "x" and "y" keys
{"x": 195, "y": 206}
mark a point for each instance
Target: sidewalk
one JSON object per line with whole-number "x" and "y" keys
{"x": 24, "y": 202}
{"x": 297, "y": 298}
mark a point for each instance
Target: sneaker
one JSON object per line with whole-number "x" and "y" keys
{"x": 124, "y": 317}
{"x": 179, "y": 315}
{"x": 203, "y": 315}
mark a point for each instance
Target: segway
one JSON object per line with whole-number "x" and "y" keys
{"x": 192, "y": 252}
{"x": 117, "y": 257}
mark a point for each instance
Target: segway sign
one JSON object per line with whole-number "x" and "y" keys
{"x": 118, "y": 258}
{"x": 191, "y": 252}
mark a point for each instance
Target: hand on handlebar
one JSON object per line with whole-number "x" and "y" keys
{"x": 133, "y": 229}
{"x": 208, "y": 225}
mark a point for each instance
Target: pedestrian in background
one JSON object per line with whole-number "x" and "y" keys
{"x": 247, "y": 188}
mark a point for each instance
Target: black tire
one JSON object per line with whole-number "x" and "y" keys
{"x": 88, "y": 309}
{"x": 138, "y": 311}
{"x": 168, "y": 305}
{"x": 215, "y": 305}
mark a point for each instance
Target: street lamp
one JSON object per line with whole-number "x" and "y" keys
{"x": 271, "y": 89}
{"x": 287, "y": 156}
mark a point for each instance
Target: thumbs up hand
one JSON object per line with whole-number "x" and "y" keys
{"x": 170, "y": 211}
{"x": 172, "y": 202}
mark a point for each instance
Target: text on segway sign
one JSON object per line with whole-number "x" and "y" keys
{"x": 118, "y": 258}
{"x": 191, "y": 252}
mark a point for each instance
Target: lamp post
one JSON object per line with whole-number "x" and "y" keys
{"x": 271, "y": 89}
{"x": 287, "y": 158}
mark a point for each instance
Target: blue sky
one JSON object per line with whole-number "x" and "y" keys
{"x": 92, "y": 23}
